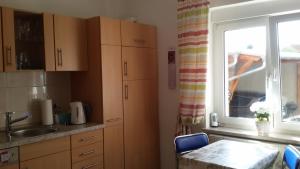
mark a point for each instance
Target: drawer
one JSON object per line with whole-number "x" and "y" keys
{"x": 91, "y": 163}
{"x": 138, "y": 35}
{"x": 86, "y": 152}
{"x": 14, "y": 166}
{"x": 86, "y": 138}
{"x": 60, "y": 160}
{"x": 43, "y": 148}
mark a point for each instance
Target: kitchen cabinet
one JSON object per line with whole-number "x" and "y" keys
{"x": 141, "y": 139}
{"x": 87, "y": 150}
{"x": 70, "y": 43}
{"x": 101, "y": 85}
{"x": 110, "y": 32}
{"x": 46, "y": 154}
{"x": 61, "y": 160}
{"x": 138, "y": 35}
{"x": 23, "y": 39}
{"x": 139, "y": 63}
{"x": 112, "y": 83}
{"x": 114, "y": 147}
{"x": 15, "y": 166}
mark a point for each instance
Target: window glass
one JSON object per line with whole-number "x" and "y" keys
{"x": 289, "y": 52}
{"x": 245, "y": 56}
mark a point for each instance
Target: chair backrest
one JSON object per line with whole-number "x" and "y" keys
{"x": 291, "y": 157}
{"x": 190, "y": 142}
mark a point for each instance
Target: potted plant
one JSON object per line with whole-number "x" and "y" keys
{"x": 262, "y": 116}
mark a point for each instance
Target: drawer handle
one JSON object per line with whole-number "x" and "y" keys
{"x": 8, "y": 56}
{"x": 87, "y": 139}
{"x": 89, "y": 166}
{"x": 126, "y": 92}
{"x": 113, "y": 120}
{"x": 87, "y": 153}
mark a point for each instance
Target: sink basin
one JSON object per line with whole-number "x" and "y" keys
{"x": 30, "y": 132}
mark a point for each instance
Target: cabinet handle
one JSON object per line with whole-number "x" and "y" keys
{"x": 126, "y": 92}
{"x": 8, "y": 56}
{"x": 87, "y": 139}
{"x": 58, "y": 57}
{"x": 61, "y": 59}
{"x": 113, "y": 120}
{"x": 125, "y": 69}
{"x": 89, "y": 166}
{"x": 87, "y": 153}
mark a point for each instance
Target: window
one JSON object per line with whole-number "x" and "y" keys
{"x": 258, "y": 59}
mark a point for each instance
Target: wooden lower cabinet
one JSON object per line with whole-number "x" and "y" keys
{"x": 141, "y": 132}
{"x": 15, "y": 166}
{"x": 114, "y": 147}
{"x": 60, "y": 160}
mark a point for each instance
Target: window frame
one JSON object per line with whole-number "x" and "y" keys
{"x": 273, "y": 71}
{"x": 279, "y": 125}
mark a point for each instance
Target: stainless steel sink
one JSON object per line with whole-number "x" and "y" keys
{"x": 30, "y": 132}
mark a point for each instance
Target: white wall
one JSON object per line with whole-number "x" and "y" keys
{"x": 163, "y": 14}
{"x": 78, "y": 8}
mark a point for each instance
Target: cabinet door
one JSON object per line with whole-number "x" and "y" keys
{"x": 141, "y": 137}
{"x": 15, "y": 166}
{"x": 60, "y": 160}
{"x": 111, "y": 84}
{"x": 49, "y": 42}
{"x": 139, "y": 63}
{"x": 110, "y": 31}
{"x": 9, "y": 39}
{"x": 70, "y": 43}
{"x": 114, "y": 147}
{"x": 138, "y": 35}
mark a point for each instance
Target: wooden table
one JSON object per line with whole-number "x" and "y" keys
{"x": 226, "y": 154}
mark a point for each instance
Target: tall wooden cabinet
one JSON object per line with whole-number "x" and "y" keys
{"x": 121, "y": 87}
{"x": 141, "y": 128}
{"x": 101, "y": 86}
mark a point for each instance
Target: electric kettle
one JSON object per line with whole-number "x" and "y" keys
{"x": 77, "y": 113}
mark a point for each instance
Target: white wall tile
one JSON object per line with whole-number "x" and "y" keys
{"x": 27, "y": 78}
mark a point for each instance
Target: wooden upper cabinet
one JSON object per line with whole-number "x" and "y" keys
{"x": 9, "y": 39}
{"x": 110, "y": 31}
{"x": 111, "y": 84}
{"x": 139, "y": 63}
{"x": 138, "y": 35}
{"x": 70, "y": 43}
{"x": 1, "y": 44}
{"x": 49, "y": 42}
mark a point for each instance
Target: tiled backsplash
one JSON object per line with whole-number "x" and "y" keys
{"x": 21, "y": 92}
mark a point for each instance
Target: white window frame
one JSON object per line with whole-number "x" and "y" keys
{"x": 273, "y": 71}
{"x": 279, "y": 125}
{"x": 219, "y": 68}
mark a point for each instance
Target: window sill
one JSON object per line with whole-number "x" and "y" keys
{"x": 247, "y": 134}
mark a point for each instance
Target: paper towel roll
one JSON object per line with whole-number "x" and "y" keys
{"x": 47, "y": 113}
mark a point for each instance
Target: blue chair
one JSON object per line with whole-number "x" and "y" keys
{"x": 291, "y": 157}
{"x": 187, "y": 143}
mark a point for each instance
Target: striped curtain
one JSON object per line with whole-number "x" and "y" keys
{"x": 192, "y": 44}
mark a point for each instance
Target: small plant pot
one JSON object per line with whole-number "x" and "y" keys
{"x": 263, "y": 127}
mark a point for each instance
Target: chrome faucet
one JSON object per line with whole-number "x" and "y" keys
{"x": 10, "y": 121}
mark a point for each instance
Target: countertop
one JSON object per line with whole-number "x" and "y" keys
{"x": 62, "y": 131}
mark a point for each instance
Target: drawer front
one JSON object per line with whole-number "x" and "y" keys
{"x": 86, "y": 152}
{"x": 15, "y": 166}
{"x": 138, "y": 35}
{"x": 43, "y": 148}
{"x": 86, "y": 138}
{"x": 60, "y": 160}
{"x": 91, "y": 163}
